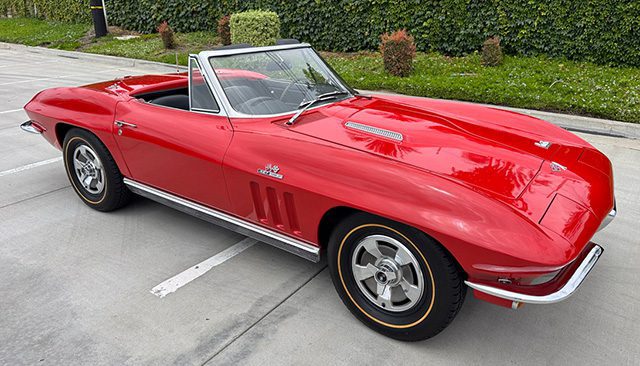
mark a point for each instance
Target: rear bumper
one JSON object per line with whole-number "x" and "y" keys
{"x": 562, "y": 293}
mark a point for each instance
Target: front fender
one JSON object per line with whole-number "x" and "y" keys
{"x": 477, "y": 229}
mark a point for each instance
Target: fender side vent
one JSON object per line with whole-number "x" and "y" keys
{"x": 397, "y": 136}
{"x": 274, "y": 208}
{"x": 292, "y": 215}
{"x": 258, "y": 205}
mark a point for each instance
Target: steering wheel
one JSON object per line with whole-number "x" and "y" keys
{"x": 286, "y": 90}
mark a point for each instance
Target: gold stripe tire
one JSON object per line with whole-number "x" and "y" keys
{"x": 114, "y": 194}
{"x": 443, "y": 290}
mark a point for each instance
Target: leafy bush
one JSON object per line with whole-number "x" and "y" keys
{"x": 77, "y": 11}
{"x": 492, "y": 52}
{"x": 255, "y": 27}
{"x": 398, "y": 51}
{"x": 166, "y": 33}
{"x": 224, "y": 31}
{"x": 600, "y": 31}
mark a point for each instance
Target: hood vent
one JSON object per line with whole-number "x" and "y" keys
{"x": 397, "y": 136}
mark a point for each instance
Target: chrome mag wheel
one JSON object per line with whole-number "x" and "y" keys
{"x": 88, "y": 169}
{"x": 387, "y": 273}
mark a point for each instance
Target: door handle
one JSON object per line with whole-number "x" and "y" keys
{"x": 121, "y": 124}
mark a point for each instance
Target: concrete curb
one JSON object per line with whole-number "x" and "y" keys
{"x": 584, "y": 124}
{"x": 111, "y": 60}
{"x": 597, "y": 126}
{"x": 570, "y": 122}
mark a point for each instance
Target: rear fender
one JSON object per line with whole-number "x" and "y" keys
{"x": 57, "y": 109}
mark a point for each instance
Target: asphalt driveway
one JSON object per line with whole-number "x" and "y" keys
{"x": 76, "y": 284}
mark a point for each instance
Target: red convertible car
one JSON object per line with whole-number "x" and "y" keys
{"x": 411, "y": 200}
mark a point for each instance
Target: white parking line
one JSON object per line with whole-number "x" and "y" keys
{"x": 183, "y": 278}
{"x": 29, "y": 166}
{"x": 60, "y": 77}
{"x": 12, "y": 111}
{"x": 29, "y": 64}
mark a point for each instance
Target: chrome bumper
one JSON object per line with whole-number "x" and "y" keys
{"x": 567, "y": 290}
{"x": 29, "y": 127}
{"x": 610, "y": 216}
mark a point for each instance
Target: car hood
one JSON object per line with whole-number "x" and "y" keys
{"x": 488, "y": 149}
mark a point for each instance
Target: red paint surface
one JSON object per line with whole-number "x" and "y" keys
{"x": 469, "y": 176}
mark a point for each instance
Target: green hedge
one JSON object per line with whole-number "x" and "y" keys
{"x": 255, "y": 27}
{"x": 76, "y": 11}
{"x": 601, "y": 31}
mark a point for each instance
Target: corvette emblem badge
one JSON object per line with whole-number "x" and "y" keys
{"x": 271, "y": 170}
{"x": 557, "y": 167}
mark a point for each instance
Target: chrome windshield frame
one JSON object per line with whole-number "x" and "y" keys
{"x": 221, "y": 96}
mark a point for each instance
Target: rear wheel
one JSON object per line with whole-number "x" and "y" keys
{"x": 394, "y": 278}
{"x": 92, "y": 171}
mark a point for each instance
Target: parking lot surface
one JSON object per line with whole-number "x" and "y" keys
{"x": 76, "y": 284}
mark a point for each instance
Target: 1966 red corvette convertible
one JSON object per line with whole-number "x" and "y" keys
{"x": 413, "y": 200}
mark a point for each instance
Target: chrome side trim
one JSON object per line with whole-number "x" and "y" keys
{"x": 287, "y": 243}
{"x": 375, "y": 131}
{"x": 567, "y": 290}
{"x": 28, "y": 127}
{"x": 610, "y": 216}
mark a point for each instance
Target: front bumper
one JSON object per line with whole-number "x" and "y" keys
{"x": 32, "y": 127}
{"x": 562, "y": 293}
{"x": 610, "y": 216}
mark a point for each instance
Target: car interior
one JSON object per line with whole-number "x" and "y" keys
{"x": 246, "y": 95}
{"x": 253, "y": 94}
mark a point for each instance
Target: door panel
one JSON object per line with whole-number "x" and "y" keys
{"x": 175, "y": 150}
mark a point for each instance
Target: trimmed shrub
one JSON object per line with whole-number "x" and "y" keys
{"x": 398, "y": 51}
{"x": 224, "y": 31}
{"x": 166, "y": 33}
{"x": 492, "y": 52}
{"x": 255, "y": 27}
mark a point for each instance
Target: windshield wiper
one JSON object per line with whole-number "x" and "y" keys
{"x": 308, "y": 104}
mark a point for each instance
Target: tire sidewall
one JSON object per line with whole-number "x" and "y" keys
{"x": 429, "y": 316}
{"x": 74, "y": 139}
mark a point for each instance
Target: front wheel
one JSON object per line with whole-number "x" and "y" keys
{"x": 394, "y": 278}
{"x": 92, "y": 171}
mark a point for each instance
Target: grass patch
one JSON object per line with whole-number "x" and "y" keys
{"x": 149, "y": 47}
{"x": 34, "y": 32}
{"x": 526, "y": 82}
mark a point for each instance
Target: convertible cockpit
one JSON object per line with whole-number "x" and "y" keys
{"x": 255, "y": 83}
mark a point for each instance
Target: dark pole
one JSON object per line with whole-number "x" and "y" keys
{"x": 99, "y": 21}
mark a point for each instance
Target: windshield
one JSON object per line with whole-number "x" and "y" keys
{"x": 274, "y": 82}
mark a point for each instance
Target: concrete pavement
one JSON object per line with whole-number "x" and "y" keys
{"x": 76, "y": 283}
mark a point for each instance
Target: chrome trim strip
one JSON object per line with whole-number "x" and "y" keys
{"x": 567, "y": 290}
{"x": 287, "y": 243}
{"x": 610, "y": 216}
{"x": 375, "y": 131}
{"x": 28, "y": 127}
{"x": 194, "y": 58}
{"x": 237, "y": 51}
